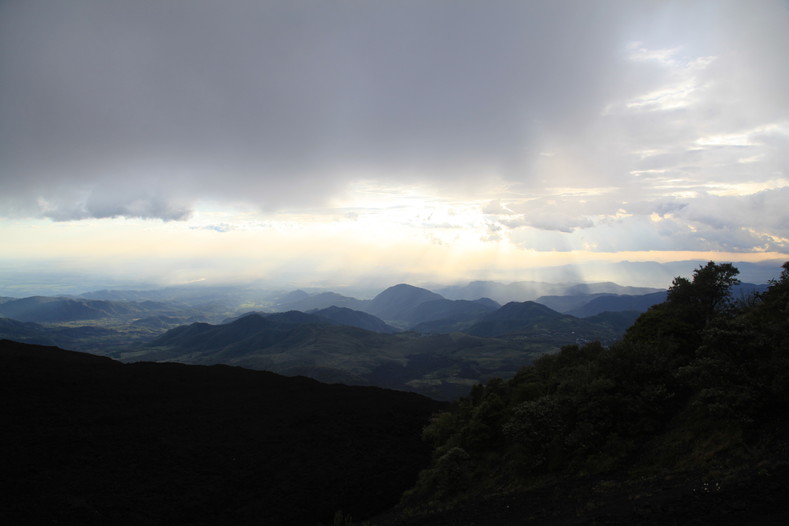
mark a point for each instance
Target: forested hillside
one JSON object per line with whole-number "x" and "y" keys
{"x": 697, "y": 390}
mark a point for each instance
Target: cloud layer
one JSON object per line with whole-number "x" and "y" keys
{"x": 604, "y": 124}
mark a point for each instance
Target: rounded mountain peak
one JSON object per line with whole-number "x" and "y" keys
{"x": 397, "y": 302}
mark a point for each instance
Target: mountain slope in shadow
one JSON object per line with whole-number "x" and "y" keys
{"x": 88, "y": 440}
{"x": 355, "y": 318}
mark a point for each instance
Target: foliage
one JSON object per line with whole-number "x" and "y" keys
{"x": 340, "y": 519}
{"x": 696, "y": 364}
{"x": 689, "y": 306}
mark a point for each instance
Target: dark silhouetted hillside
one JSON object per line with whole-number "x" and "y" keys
{"x": 90, "y": 441}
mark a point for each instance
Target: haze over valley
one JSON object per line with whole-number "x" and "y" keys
{"x": 405, "y": 337}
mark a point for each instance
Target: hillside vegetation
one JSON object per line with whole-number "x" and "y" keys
{"x": 442, "y": 366}
{"x": 698, "y": 389}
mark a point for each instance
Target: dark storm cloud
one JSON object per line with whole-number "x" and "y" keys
{"x": 140, "y": 108}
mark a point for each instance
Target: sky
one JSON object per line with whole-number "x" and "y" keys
{"x": 319, "y": 142}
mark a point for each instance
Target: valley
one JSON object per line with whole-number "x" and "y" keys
{"x": 405, "y": 337}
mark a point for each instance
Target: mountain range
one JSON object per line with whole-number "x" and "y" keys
{"x": 406, "y": 337}
{"x": 302, "y": 301}
{"x": 234, "y": 297}
{"x": 531, "y": 290}
{"x": 457, "y": 344}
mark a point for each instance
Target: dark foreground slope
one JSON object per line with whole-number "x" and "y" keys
{"x": 87, "y": 440}
{"x": 757, "y": 497}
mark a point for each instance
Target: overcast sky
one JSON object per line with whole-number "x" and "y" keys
{"x": 191, "y": 139}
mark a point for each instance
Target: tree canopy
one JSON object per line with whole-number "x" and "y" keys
{"x": 696, "y": 370}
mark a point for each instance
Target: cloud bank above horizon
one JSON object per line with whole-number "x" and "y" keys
{"x": 545, "y": 126}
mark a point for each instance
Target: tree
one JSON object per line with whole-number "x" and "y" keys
{"x": 774, "y": 302}
{"x": 708, "y": 293}
{"x": 689, "y": 307}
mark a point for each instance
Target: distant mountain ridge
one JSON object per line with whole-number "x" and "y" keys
{"x": 405, "y": 305}
{"x": 399, "y": 302}
{"x": 531, "y": 290}
{"x": 616, "y": 303}
{"x": 306, "y": 302}
{"x": 439, "y": 358}
{"x": 137, "y": 316}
